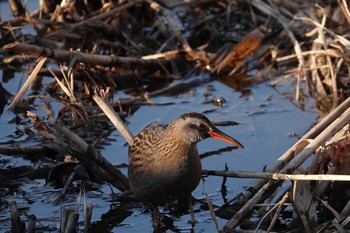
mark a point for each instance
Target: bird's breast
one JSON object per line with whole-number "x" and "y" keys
{"x": 166, "y": 171}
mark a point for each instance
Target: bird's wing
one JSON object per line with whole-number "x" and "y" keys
{"x": 143, "y": 144}
{"x": 151, "y": 132}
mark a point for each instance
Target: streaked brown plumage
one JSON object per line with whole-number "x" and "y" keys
{"x": 164, "y": 160}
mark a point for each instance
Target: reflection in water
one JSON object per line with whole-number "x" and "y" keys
{"x": 114, "y": 217}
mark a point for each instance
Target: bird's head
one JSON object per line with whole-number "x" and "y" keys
{"x": 195, "y": 127}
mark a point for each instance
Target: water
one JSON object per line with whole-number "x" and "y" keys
{"x": 265, "y": 122}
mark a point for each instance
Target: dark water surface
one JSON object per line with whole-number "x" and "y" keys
{"x": 265, "y": 118}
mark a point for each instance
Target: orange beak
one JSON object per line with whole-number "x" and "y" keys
{"x": 215, "y": 133}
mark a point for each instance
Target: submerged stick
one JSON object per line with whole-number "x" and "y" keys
{"x": 87, "y": 217}
{"x": 212, "y": 213}
{"x": 31, "y": 224}
{"x": 72, "y": 224}
{"x": 69, "y": 220}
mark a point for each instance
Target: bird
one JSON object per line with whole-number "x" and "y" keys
{"x": 164, "y": 160}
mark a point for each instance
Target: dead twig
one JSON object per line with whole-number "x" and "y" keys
{"x": 28, "y": 82}
{"x": 278, "y": 211}
{"x": 113, "y": 116}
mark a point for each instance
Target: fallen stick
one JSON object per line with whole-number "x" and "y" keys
{"x": 26, "y": 150}
{"x": 114, "y": 118}
{"x": 27, "y": 83}
{"x": 275, "y": 176}
{"x": 212, "y": 213}
{"x": 87, "y": 58}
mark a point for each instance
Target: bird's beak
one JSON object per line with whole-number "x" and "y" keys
{"x": 215, "y": 133}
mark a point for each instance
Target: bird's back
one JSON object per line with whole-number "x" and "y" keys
{"x": 145, "y": 140}
{"x": 141, "y": 155}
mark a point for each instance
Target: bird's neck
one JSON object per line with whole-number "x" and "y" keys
{"x": 176, "y": 141}
{"x": 176, "y": 136}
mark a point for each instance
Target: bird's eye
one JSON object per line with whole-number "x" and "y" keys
{"x": 202, "y": 126}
